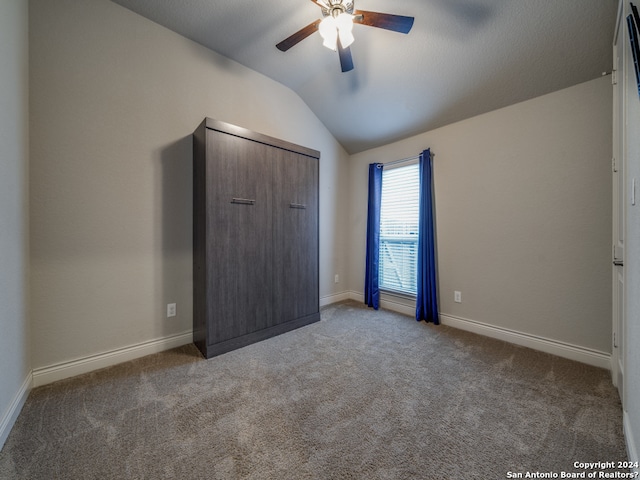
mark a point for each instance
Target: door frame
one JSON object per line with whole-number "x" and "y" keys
{"x": 618, "y": 180}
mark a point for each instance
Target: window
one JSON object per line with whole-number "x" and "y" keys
{"x": 399, "y": 217}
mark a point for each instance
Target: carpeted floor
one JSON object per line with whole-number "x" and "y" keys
{"x": 362, "y": 394}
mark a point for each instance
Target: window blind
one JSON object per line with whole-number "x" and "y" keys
{"x": 399, "y": 217}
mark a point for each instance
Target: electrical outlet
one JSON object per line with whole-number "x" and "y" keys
{"x": 457, "y": 296}
{"x": 336, "y": 279}
{"x": 171, "y": 309}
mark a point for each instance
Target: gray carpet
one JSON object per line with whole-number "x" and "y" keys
{"x": 361, "y": 394}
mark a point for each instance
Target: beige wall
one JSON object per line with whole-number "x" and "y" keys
{"x": 523, "y": 213}
{"x": 15, "y": 367}
{"x": 522, "y": 194}
{"x": 114, "y": 100}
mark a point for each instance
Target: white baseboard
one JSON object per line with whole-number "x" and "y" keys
{"x": 52, "y": 373}
{"x": 396, "y": 306}
{"x": 10, "y": 416}
{"x": 334, "y": 298}
{"x": 561, "y": 349}
{"x": 357, "y": 296}
{"x": 632, "y": 452}
{"x": 387, "y": 302}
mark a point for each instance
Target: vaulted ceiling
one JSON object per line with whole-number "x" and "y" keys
{"x": 462, "y": 57}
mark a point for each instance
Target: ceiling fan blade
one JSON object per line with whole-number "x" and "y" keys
{"x": 346, "y": 61}
{"x": 297, "y": 37}
{"x": 396, "y": 23}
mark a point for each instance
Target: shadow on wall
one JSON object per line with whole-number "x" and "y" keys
{"x": 176, "y": 236}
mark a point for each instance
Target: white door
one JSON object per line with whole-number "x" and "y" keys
{"x": 619, "y": 127}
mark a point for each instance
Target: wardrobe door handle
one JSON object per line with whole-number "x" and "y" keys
{"x": 299, "y": 206}
{"x": 243, "y": 201}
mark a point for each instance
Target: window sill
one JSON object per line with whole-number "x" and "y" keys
{"x": 393, "y": 293}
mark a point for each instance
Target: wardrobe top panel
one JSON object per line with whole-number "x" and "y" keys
{"x": 258, "y": 137}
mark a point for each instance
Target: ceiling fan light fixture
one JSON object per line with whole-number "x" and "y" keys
{"x": 344, "y": 23}
{"x": 328, "y": 29}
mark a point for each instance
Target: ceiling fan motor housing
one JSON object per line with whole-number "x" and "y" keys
{"x": 336, "y": 7}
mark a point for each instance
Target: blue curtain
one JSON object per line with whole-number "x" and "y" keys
{"x": 427, "y": 301}
{"x": 371, "y": 280}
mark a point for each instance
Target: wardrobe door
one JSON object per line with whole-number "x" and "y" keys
{"x": 238, "y": 233}
{"x": 295, "y": 236}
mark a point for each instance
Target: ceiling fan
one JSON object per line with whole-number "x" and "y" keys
{"x": 337, "y": 23}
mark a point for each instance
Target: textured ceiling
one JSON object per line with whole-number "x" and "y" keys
{"x": 462, "y": 57}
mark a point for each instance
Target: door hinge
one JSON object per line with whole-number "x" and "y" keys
{"x": 615, "y": 344}
{"x": 614, "y": 77}
{"x": 613, "y": 164}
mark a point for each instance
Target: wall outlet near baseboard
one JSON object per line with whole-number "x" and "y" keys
{"x": 457, "y": 296}
{"x": 336, "y": 278}
{"x": 171, "y": 310}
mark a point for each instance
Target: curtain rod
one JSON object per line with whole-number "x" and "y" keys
{"x": 415, "y": 157}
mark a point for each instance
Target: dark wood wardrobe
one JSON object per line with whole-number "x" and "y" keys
{"x": 255, "y": 237}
